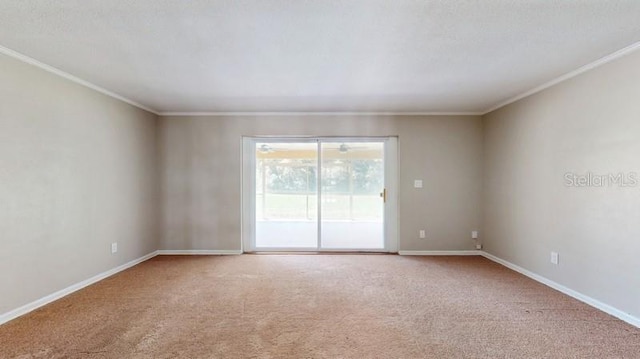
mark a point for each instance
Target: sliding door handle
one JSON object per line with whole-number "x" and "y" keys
{"x": 383, "y": 194}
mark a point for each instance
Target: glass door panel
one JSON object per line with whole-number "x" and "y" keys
{"x": 286, "y": 201}
{"x": 352, "y": 208}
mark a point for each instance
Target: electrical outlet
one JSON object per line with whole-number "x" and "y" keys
{"x": 417, "y": 184}
{"x": 478, "y": 246}
{"x": 555, "y": 258}
{"x": 114, "y": 247}
{"x": 422, "y": 234}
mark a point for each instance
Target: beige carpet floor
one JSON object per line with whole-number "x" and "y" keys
{"x": 318, "y": 306}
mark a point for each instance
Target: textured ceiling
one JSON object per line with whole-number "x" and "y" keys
{"x": 318, "y": 55}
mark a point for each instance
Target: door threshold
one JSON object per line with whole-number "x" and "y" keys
{"x": 318, "y": 253}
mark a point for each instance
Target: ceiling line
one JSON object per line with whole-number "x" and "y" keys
{"x": 68, "y": 76}
{"x": 590, "y": 66}
{"x": 199, "y": 114}
{"x": 569, "y": 75}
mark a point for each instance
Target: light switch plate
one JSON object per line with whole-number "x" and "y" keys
{"x": 417, "y": 183}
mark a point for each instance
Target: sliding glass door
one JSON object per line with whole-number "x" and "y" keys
{"x": 315, "y": 194}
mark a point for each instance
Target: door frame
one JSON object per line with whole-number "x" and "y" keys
{"x": 248, "y": 185}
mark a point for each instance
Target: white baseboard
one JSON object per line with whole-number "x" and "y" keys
{"x": 439, "y": 253}
{"x": 559, "y": 287}
{"x": 568, "y": 291}
{"x": 66, "y": 291}
{"x": 197, "y": 252}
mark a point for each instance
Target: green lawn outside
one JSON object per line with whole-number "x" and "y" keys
{"x": 304, "y": 207}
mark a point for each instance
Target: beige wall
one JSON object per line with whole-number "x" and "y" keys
{"x": 78, "y": 170}
{"x": 201, "y": 159}
{"x": 589, "y": 123}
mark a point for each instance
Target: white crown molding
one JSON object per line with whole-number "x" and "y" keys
{"x": 198, "y": 252}
{"x": 201, "y": 114}
{"x": 568, "y": 291}
{"x": 29, "y": 307}
{"x": 31, "y": 61}
{"x": 601, "y": 61}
